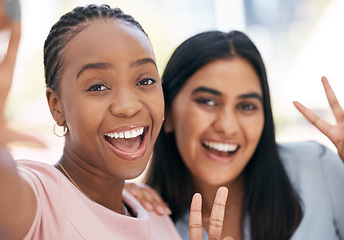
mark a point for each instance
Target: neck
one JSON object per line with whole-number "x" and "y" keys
{"x": 95, "y": 184}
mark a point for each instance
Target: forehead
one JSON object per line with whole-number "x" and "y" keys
{"x": 108, "y": 41}
{"x": 232, "y": 75}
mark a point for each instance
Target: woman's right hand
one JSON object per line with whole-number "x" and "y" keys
{"x": 9, "y": 11}
{"x": 216, "y": 216}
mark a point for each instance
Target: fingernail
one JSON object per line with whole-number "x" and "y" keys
{"x": 160, "y": 210}
{"x": 148, "y": 206}
{"x": 168, "y": 211}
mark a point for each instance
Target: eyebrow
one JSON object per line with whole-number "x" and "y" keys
{"x": 142, "y": 61}
{"x": 208, "y": 90}
{"x": 251, "y": 95}
{"x": 99, "y": 65}
{"x": 218, "y": 93}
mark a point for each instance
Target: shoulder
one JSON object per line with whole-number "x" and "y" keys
{"x": 317, "y": 174}
{"x": 305, "y": 152}
{"x": 38, "y": 173}
{"x": 311, "y": 162}
{"x": 161, "y": 225}
{"x": 45, "y": 180}
{"x": 302, "y": 147}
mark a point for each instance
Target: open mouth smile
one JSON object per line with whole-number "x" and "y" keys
{"x": 129, "y": 144}
{"x": 221, "y": 149}
{"x": 126, "y": 134}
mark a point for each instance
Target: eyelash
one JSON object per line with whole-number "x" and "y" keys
{"x": 247, "y": 107}
{"x": 93, "y": 88}
{"x": 146, "y": 80}
{"x": 143, "y": 82}
{"x": 244, "y": 106}
{"x": 206, "y": 101}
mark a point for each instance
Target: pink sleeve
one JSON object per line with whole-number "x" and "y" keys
{"x": 50, "y": 215}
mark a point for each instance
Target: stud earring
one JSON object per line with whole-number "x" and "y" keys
{"x": 60, "y": 131}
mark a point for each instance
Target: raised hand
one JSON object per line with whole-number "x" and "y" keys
{"x": 334, "y": 132}
{"x": 8, "y": 62}
{"x": 216, "y": 216}
{"x": 10, "y": 21}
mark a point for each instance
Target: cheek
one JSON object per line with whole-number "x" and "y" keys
{"x": 84, "y": 116}
{"x": 156, "y": 106}
{"x": 254, "y": 129}
{"x": 189, "y": 129}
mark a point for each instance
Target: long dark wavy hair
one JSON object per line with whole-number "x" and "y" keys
{"x": 270, "y": 200}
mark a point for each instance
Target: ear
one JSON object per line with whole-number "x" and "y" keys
{"x": 168, "y": 123}
{"x": 55, "y": 106}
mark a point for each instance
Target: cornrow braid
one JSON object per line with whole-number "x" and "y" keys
{"x": 68, "y": 26}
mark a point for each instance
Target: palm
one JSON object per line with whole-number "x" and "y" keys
{"x": 336, "y": 136}
{"x": 334, "y": 132}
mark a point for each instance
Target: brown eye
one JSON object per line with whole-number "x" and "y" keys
{"x": 207, "y": 101}
{"x": 247, "y": 106}
{"x": 146, "y": 81}
{"x": 97, "y": 88}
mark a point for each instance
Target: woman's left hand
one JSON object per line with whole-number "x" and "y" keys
{"x": 334, "y": 132}
{"x": 148, "y": 197}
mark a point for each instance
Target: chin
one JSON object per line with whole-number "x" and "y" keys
{"x": 133, "y": 173}
{"x": 217, "y": 180}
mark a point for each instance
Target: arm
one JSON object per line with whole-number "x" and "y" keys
{"x": 334, "y": 133}
{"x": 10, "y": 20}
{"x": 17, "y": 201}
{"x": 8, "y": 62}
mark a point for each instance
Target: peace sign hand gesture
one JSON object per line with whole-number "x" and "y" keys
{"x": 334, "y": 132}
{"x": 216, "y": 217}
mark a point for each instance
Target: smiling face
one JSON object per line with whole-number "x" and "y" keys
{"x": 217, "y": 118}
{"x": 111, "y": 99}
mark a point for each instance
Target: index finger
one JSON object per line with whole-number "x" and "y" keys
{"x": 319, "y": 123}
{"x": 333, "y": 101}
{"x": 217, "y": 213}
{"x": 195, "y": 222}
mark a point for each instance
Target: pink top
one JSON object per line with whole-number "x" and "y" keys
{"x": 63, "y": 212}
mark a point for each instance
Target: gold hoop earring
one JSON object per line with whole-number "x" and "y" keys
{"x": 60, "y": 131}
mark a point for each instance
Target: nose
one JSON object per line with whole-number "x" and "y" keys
{"x": 125, "y": 103}
{"x": 226, "y": 122}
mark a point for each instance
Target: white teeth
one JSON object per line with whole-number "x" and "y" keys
{"x": 126, "y": 134}
{"x": 222, "y": 147}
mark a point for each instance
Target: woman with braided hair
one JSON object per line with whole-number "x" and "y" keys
{"x": 104, "y": 92}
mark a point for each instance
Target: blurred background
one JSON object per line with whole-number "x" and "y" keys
{"x": 300, "y": 41}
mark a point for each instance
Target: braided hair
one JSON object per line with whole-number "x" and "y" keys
{"x": 68, "y": 26}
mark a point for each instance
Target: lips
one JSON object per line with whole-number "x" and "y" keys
{"x": 128, "y": 144}
{"x": 220, "y": 149}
